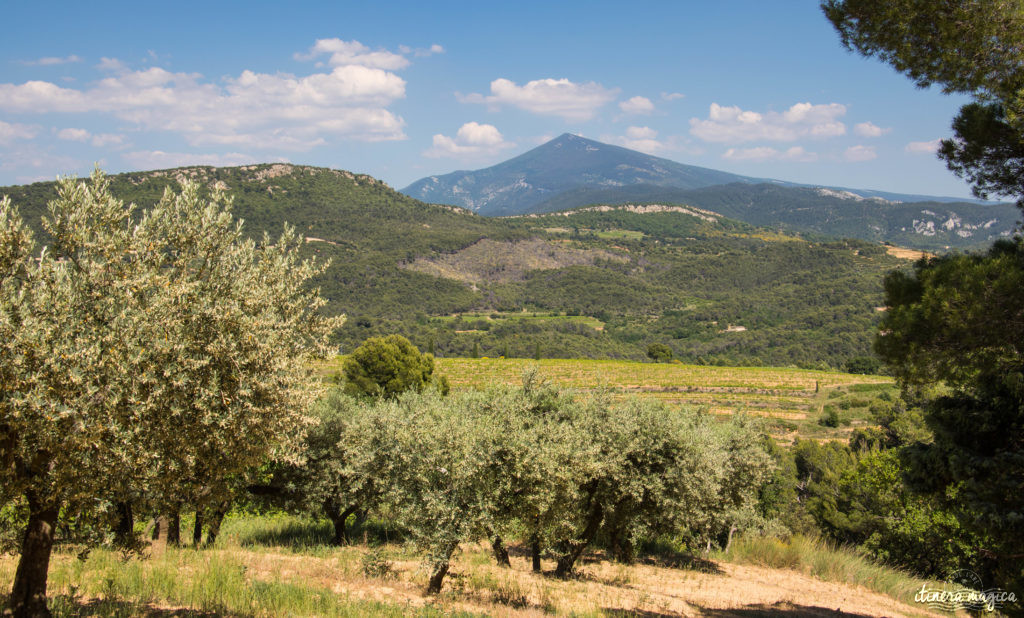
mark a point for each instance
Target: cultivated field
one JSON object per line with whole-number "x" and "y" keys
{"x": 282, "y": 566}
{"x": 791, "y": 400}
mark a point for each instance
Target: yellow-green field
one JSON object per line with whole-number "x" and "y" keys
{"x": 791, "y": 399}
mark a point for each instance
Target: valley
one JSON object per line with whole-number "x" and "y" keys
{"x": 676, "y": 275}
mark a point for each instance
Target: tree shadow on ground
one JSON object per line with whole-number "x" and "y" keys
{"x": 300, "y": 535}
{"x": 686, "y": 562}
{"x": 781, "y": 609}
{"x": 68, "y": 606}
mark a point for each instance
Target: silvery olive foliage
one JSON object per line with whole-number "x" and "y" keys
{"x": 550, "y": 467}
{"x": 147, "y": 354}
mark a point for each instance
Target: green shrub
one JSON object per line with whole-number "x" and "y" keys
{"x": 388, "y": 366}
{"x": 829, "y": 417}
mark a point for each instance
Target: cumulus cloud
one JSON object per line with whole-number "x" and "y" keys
{"x": 422, "y": 52}
{"x": 73, "y": 135}
{"x": 29, "y": 156}
{"x": 108, "y": 139}
{"x": 672, "y": 96}
{"x": 157, "y": 159}
{"x": 13, "y": 131}
{"x": 869, "y": 129}
{"x": 99, "y": 140}
{"x": 735, "y": 125}
{"x": 646, "y": 139}
{"x": 637, "y": 105}
{"x": 930, "y": 147}
{"x": 553, "y": 97}
{"x": 766, "y": 153}
{"x": 860, "y": 153}
{"x": 471, "y": 139}
{"x": 344, "y": 53}
{"x": 251, "y": 110}
{"x": 111, "y": 65}
{"x": 52, "y": 60}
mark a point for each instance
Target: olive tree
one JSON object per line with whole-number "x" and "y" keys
{"x": 147, "y": 352}
{"x": 342, "y": 466}
{"x": 440, "y": 489}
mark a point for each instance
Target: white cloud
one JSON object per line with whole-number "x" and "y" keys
{"x": 734, "y": 125}
{"x": 30, "y": 156}
{"x": 766, "y": 153}
{"x": 111, "y": 65}
{"x": 430, "y": 51}
{"x": 471, "y": 139}
{"x": 672, "y": 96}
{"x": 637, "y": 105}
{"x": 923, "y": 147}
{"x": 345, "y": 53}
{"x": 10, "y": 132}
{"x": 52, "y": 60}
{"x": 158, "y": 159}
{"x": 252, "y": 110}
{"x": 869, "y": 129}
{"x": 860, "y": 153}
{"x": 108, "y": 139}
{"x": 554, "y": 97}
{"x": 100, "y": 140}
{"x": 645, "y": 139}
{"x": 74, "y": 135}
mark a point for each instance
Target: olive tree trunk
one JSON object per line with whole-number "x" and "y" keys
{"x": 125, "y": 530}
{"x": 218, "y": 518}
{"x": 174, "y": 528}
{"x": 440, "y": 570}
{"x": 535, "y": 552}
{"x": 570, "y": 551}
{"x": 28, "y": 596}
{"x": 500, "y": 552}
{"x": 339, "y": 517}
{"x": 197, "y": 530}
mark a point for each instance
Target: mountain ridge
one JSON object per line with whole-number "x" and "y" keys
{"x": 572, "y": 171}
{"x": 512, "y": 186}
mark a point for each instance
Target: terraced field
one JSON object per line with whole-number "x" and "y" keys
{"x": 791, "y": 400}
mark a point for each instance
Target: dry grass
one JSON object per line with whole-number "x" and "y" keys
{"x": 503, "y": 261}
{"x": 907, "y": 254}
{"x": 241, "y": 578}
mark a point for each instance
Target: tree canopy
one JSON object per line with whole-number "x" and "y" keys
{"x": 953, "y": 331}
{"x": 974, "y": 47}
{"x": 388, "y": 366}
{"x": 144, "y": 354}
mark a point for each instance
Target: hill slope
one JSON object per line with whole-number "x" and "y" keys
{"x": 599, "y": 282}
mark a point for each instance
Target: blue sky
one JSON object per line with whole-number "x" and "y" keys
{"x": 405, "y": 90}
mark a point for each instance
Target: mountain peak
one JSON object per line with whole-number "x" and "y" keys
{"x": 562, "y": 164}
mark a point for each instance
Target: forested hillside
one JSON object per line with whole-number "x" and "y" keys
{"x": 932, "y": 225}
{"x": 599, "y": 282}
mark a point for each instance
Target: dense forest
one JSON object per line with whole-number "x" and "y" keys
{"x": 714, "y": 290}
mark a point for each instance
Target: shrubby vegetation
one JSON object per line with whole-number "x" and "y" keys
{"x": 558, "y": 470}
{"x": 953, "y": 332}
